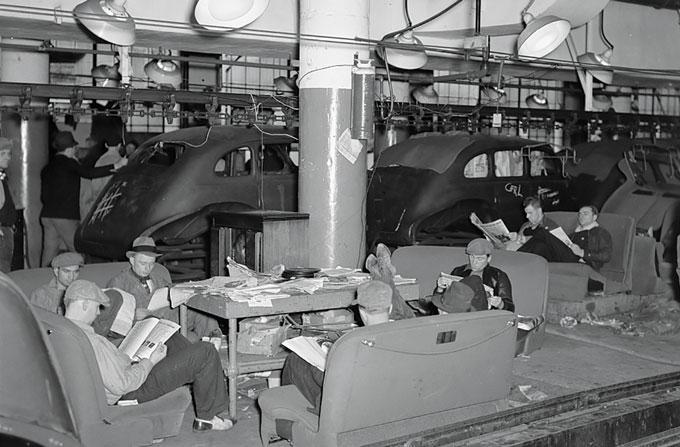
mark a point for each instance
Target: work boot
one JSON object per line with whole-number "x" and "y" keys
{"x": 216, "y": 423}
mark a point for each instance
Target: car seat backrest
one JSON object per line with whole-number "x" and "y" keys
{"x": 410, "y": 368}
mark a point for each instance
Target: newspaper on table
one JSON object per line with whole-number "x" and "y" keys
{"x": 560, "y": 234}
{"x": 497, "y": 232}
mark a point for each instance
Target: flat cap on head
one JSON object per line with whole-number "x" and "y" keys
{"x": 82, "y": 289}
{"x": 479, "y": 246}
{"x": 67, "y": 259}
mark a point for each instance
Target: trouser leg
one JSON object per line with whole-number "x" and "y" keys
{"x": 6, "y": 249}
{"x": 197, "y": 364}
{"x": 50, "y": 241}
{"x": 202, "y": 325}
{"x": 67, "y": 231}
{"x": 307, "y": 378}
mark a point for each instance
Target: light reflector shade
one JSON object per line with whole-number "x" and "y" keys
{"x": 218, "y": 14}
{"x": 406, "y": 58}
{"x": 602, "y": 102}
{"x": 426, "y": 94}
{"x": 106, "y": 75}
{"x": 494, "y": 95}
{"x": 108, "y": 20}
{"x": 541, "y": 36}
{"x": 285, "y": 85}
{"x": 165, "y": 73}
{"x": 536, "y": 101}
{"x": 591, "y": 62}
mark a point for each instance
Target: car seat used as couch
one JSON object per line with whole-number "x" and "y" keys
{"x": 570, "y": 279}
{"x": 528, "y": 275}
{"x": 395, "y": 379}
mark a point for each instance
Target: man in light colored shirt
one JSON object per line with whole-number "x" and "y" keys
{"x": 66, "y": 268}
{"x": 165, "y": 370}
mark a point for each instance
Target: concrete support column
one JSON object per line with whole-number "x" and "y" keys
{"x": 332, "y": 186}
{"x": 29, "y": 131}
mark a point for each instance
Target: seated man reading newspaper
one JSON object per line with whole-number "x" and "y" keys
{"x": 497, "y": 283}
{"x": 374, "y": 300}
{"x": 590, "y": 243}
{"x": 160, "y": 371}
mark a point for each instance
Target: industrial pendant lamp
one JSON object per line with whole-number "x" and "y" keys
{"x": 108, "y": 20}
{"x": 106, "y": 75}
{"x": 286, "y": 86}
{"x": 164, "y": 72}
{"x": 542, "y": 35}
{"x": 408, "y": 52}
{"x": 537, "y": 101}
{"x": 494, "y": 94}
{"x": 425, "y": 94}
{"x": 598, "y": 64}
{"x": 602, "y": 102}
{"x": 219, "y": 14}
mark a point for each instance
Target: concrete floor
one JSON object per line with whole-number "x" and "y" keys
{"x": 571, "y": 360}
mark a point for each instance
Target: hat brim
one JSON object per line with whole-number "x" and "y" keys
{"x": 437, "y": 300}
{"x": 206, "y": 19}
{"x": 131, "y": 253}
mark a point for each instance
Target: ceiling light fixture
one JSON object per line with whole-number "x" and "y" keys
{"x": 219, "y": 14}
{"x": 598, "y": 64}
{"x": 286, "y": 86}
{"x": 602, "y": 102}
{"x": 106, "y": 75}
{"x": 425, "y": 94}
{"x": 108, "y": 20}
{"x": 542, "y": 35}
{"x": 164, "y": 72}
{"x": 403, "y": 50}
{"x": 537, "y": 101}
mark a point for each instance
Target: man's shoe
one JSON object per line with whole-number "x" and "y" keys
{"x": 216, "y": 423}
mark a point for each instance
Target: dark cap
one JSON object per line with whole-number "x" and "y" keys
{"x": 479, "y": 246}
{"x": 81, "y": 289}
{"x": 63, "y": 140}
{"x": 465, "y": 295}
{"x": 374, "y": 296}
{"x": 66, "y": 259}
{"x": 144, "y": 245}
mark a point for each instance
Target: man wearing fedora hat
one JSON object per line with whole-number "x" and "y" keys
{"x": 466, "y": 295}
{"x": 144, "y": 276}
{"x": 479, "y": 253}
{"x": 60, "y": 194}
{"x": 8, "y": 213}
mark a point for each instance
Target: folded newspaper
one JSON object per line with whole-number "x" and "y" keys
{"x": 561, "y": 235}
{"x": 497, "y": 232}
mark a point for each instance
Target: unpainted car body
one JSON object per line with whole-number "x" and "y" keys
{"x": 173, "y": 181}
{"x": 423, "y": 190}
{"x": 635, "y": 178}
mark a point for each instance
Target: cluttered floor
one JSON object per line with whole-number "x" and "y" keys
{"x": 579, "y": 354}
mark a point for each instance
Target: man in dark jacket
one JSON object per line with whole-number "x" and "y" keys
{"x": 479, "y": 256}
{"x": 8, "y": 213}
{"x": 60, "y": 195}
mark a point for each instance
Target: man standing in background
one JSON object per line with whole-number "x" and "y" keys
{"x": 8, "y": 212}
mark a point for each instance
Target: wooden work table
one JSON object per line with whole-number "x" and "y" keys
{"x": 221, "y": 306}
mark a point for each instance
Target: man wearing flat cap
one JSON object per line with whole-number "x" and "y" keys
{"x": 167, "y": 368}
{"x": 479, "y": 253}
{"x": 60, "y": 194}
{"x": 144, "y": 276}
{"x": 50, "y": 296}
{"x": 374, "y": 303}
{"x": 8, "y": 213}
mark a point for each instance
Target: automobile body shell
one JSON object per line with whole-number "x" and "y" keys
{"x": 422, "y": 190}
{"x": 174, "y": 180}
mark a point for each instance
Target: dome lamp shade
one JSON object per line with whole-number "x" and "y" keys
{"x": 425, "y": 94}
{"x": 106, "y": 75}
{"x": 164, "y": 72}
{"x": 410, "y": 53}
{"x": 537, "y": 101}
{"x": 592, "y": 62}
{"x": 108, "y": 20}
{"x": 541, "y": 36}
{"x": 219, "y": 14}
